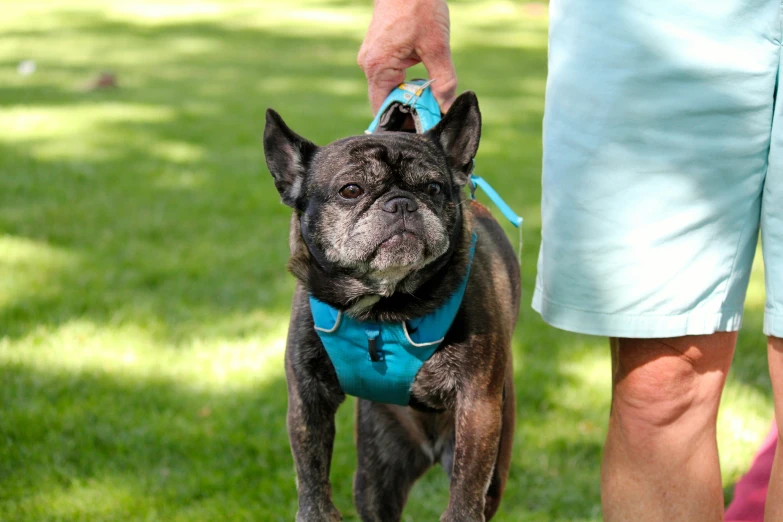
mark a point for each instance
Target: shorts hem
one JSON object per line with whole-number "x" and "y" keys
{"x": 639, "y": 326}
{"x": 773, "y": 324}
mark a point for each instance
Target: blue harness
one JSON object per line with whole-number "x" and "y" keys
{"x": 380, "y": 361}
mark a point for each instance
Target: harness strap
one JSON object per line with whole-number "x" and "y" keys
{"x": 372, "y": 344}
{"x": 380, "y": 361}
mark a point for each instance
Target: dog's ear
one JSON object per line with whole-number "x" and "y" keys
{"x": 458, "y": 133}
{"x": 287, "y": 156}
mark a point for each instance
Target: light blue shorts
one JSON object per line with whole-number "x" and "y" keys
{"x": 663, "y": 156}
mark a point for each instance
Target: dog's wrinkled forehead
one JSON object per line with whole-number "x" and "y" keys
{"x": 408, "y": 157}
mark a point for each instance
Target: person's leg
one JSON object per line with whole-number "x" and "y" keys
{"x": 774, "y": 508}
{"x": 772, "y": 245}
{"x": 660, "y": 461}
{"x": 656, "y": 141}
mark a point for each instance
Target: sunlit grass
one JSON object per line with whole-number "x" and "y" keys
{"x": 143, "y": 293}
{"x": 85, "y": 132}
{"x": 134, "y": 352}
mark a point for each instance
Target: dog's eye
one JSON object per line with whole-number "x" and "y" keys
{"x": 433, "y": 189}
{"x": 351, "y": 191}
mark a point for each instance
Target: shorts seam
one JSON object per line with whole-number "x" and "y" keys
{"x": 720, "y": 311}
{"x": 769, "y": 287}
{"x": 770, "y": 303}
{"x": 770, "y": 297}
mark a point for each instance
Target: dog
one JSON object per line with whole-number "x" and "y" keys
{"x": 381, "y": 232}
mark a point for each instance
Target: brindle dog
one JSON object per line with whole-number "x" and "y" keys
{"x": 381, "y": 230}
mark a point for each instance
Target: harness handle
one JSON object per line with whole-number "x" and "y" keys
{"x": 417, "y": 96}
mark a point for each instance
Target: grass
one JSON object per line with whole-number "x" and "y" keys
{"x": 143, "y": 299}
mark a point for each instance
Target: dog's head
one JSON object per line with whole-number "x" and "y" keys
{"x": 373, "y": 210}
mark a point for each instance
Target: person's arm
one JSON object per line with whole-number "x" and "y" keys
{"x": 403, "y": 33}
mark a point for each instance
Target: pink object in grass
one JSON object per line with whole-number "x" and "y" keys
{"x": 750, "y": 492}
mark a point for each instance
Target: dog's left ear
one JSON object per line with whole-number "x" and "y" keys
{"x": 458, "y": 133}
{"x": 287, "y": 156}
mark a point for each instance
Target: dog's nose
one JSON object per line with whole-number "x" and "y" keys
{"x": 400, "y": 204}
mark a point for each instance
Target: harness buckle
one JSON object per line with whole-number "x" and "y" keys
{"x": 372, "y": 345}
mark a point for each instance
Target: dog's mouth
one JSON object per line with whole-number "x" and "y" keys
{"x": 401, "y": 249}
{"x": 399, "y": 240}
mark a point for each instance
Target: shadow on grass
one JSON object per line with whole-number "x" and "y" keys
{"x": 77, "y": 435}
{"x": 155, "y": 449}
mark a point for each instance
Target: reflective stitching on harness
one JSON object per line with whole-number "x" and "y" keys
{"x": 413, "y": 343}
{"x": 336, "y": 324}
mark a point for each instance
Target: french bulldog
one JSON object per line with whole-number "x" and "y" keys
{"x": 381, "y": 230}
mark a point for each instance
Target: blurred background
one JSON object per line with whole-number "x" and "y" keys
{"x": 143, "y": 293}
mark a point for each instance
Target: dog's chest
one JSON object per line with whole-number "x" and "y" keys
{"x": 435, "y": 387}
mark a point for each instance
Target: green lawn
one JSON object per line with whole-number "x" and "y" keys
{"x": 143, "y": 293}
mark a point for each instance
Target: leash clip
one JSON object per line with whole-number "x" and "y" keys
{"x": 411, "y": 99}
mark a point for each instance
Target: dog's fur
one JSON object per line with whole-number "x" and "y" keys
{"x": 394, "y": 265}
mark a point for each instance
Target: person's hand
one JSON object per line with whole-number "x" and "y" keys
{"x": 403, "y": 33}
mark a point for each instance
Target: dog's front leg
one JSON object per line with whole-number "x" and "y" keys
{"x": 478, "y": 421}
{"x": 313, "y": 398}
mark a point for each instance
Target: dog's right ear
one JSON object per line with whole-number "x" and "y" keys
{"x": 287, "y": 156}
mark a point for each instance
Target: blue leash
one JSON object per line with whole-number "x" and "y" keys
{"x": 478, "y": 181}
{"x": 417, "y": 95}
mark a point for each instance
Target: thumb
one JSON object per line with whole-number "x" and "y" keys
{"x": 441, "y": 69}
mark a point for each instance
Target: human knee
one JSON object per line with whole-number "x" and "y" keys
{"x": 656, "y": 394}
{"x": 657, "y": 383}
